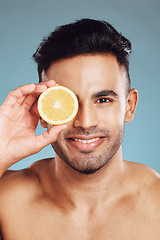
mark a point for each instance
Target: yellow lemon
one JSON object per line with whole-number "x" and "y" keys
{"x": 57, "y": 105}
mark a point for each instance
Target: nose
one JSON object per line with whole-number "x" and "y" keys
{"x": 86, "y": 117}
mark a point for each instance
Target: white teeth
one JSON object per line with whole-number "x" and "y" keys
{"x": 86, "y": 141}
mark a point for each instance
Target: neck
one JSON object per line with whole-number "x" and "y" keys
{"x": 105, "y": 183}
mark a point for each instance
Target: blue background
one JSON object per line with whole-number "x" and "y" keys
{"x": 23, "y": 24}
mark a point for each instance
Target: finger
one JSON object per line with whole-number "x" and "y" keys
{"x": 49, "y": 136}
{"x": 33, "y": 102}
{"x": 18, "y": 95}
{"x": 30, "y": 99}
{"x": 49, "y": 83}
{"x": 34, "y": 109}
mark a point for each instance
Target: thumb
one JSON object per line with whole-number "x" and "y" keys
{"x": 49, "y": 136}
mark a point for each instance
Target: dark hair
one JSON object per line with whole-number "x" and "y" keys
{"x": 86, "y": 36}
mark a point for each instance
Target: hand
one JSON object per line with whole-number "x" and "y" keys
{"x": 18, "y": 121}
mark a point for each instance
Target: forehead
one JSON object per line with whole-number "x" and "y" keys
{"x": 88, "y": 73}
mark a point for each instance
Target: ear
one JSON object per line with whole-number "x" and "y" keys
{"x": 132, "y": 101}
{"x": 43, "y": 123}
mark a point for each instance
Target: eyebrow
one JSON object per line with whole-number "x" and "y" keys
{"x": 105, "y": 93}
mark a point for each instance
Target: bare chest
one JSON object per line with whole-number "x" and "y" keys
{"x": 40, "y": 222}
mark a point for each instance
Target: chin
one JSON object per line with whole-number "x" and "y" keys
{"x": 87, "y": 171}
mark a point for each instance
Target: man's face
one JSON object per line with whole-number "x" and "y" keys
{"x": 94, "y": 136}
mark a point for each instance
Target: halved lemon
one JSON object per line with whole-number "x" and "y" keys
{"x": 57, "y": 105}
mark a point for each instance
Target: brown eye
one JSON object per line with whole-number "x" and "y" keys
{"x": 103, "y": 100}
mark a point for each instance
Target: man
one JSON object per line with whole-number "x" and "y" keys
{"x": 87, "y": 191}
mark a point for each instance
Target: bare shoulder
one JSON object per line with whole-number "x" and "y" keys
{"x": 22, "y": 185}
{"x": 20, "y": 193}
{"x": 143, "y": 175}
{"x": 146, "y": 182}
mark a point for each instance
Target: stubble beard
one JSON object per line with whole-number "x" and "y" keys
{"x": 90, "y": 162}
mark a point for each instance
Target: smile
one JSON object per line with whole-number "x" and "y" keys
{"x": 84, "y": 144}
{"x": 86, "y": 141}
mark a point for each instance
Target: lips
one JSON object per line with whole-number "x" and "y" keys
{"x": 86, "y": 144}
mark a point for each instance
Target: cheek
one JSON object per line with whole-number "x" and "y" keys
{"x": 112, "y": 116}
